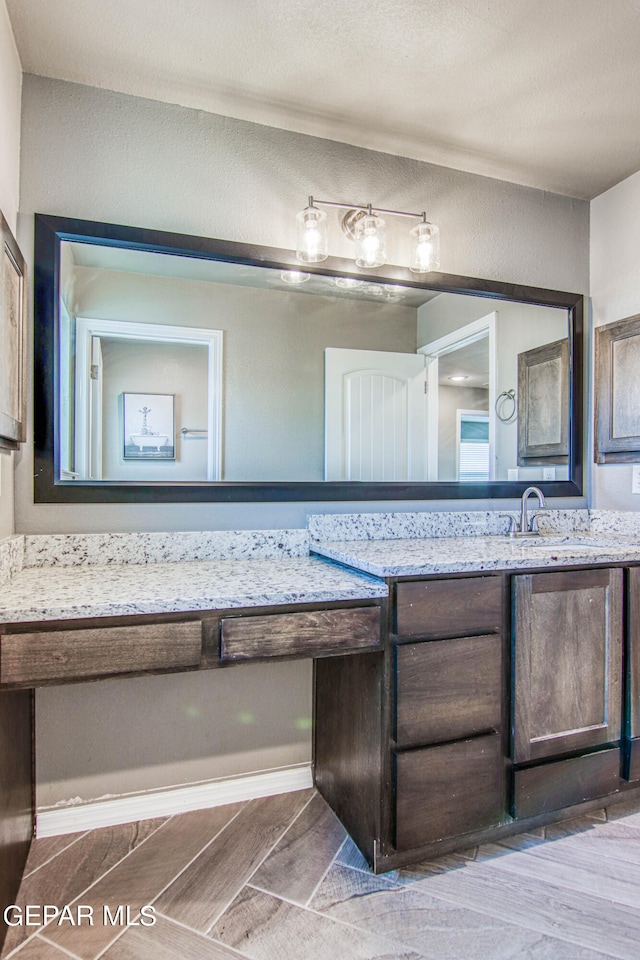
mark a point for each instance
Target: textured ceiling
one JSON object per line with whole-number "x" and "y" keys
{"x": 543, "y": 93}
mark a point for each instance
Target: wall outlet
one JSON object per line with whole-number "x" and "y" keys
{"x": 548, "y": 473}
{"x": 512, "y": 474}
{"x": 635, "y": 478}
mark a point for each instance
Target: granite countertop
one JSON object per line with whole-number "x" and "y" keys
{"x": 62, "y": 592}
{"x": 77, "y": 576}
{"x": 417, "y": 557}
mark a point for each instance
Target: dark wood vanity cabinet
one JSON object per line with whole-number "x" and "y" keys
{"x": 446, "y": 709}
{"x": 497, "y": 704}
{"x": 429, "y": 753}
{"x": 567, "y": 699}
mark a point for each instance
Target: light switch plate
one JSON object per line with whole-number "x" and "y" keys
{"x": 635, "y": 478}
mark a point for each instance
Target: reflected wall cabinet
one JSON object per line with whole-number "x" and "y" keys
{"x": 617, "y": 388}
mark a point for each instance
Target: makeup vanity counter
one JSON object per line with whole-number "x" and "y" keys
{"x": 151, "y": 606}
{"x": 122, "y": 590}
{"x": 84, "y": 608}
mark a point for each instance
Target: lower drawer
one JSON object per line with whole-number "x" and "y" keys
{"x": 99, "y": 651}
{"x": 561, "y": 783}
{"x": 448, "y": 790}
{"x": 310, "y": 633}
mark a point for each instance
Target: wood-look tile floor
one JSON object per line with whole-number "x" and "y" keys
{"x": 278, "y": 879}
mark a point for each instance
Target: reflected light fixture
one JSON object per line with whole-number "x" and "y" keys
{"x": 294, "y": 276}
{"x": 367, "y": 229}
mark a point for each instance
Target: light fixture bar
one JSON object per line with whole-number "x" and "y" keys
{"x": 367, "y": 208}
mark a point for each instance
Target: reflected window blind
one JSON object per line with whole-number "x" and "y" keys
{"x": 473, "y": 449}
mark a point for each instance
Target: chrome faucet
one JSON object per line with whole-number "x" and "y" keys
{"x": 528, "y": 527}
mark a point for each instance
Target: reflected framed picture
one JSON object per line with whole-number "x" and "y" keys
{"x": 148, "y": 421}
{"x": 12, "y": 340}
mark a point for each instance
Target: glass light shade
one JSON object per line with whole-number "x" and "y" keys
{"x": 312, "y": 245}
{"x": 370, "y": 234}
{"x": 425, "y": 252}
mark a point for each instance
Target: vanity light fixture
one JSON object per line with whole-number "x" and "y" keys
{"x": 365, "y": 226}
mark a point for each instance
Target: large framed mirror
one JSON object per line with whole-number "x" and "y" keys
{"x": 176, "y": 368}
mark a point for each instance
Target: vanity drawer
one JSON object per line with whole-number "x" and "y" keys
{"x": 100, "y": 651}
{"x": 447, "y": 790}
{"x": 310, "y": 633}
{"x": 448, "y": 689}
{"x": 448, "y": 608}
{"x": 562, "y": 783}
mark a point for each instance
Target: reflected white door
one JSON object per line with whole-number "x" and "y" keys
{"x": 375, "y": 415}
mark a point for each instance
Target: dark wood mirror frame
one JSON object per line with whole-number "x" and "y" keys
{"x": 50, "y": 231}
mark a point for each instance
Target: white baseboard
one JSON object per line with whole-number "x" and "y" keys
{"x": 75, "y": 817}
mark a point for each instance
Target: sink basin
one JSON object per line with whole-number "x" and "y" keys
{"x": 559, "y": 542}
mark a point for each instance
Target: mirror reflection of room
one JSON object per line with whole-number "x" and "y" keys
{"x": 269, "y": 380}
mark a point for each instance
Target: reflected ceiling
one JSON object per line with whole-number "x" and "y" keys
{"x": 212, "y": 271}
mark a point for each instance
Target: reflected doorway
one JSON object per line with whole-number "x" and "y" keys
{"x": 179, "y": 366}
{"x": 462, "y": 376}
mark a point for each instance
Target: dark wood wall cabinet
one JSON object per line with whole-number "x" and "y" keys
{"x": 500, "y": 701}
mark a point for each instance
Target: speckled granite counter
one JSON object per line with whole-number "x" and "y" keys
{"x": 397, "y": 545}
{"x": 50, "y": 577}
{"x": 406, "y": 558}
{"x": 74, "y": 584}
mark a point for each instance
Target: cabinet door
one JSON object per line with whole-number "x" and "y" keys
{"x": 568, "y": 660}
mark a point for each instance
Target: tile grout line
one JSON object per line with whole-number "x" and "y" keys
{"x": 51, "y": 859}
{"x": 63, "y": 950}
{"x": 400, "y": 887}
{"x": 523, "y": 874}
{"x": 199, "y": 933}
{"x": 516, "y": 923}
{"x": 201, "y": 851}
{"x": 111, "y": 942}
{"x": 345, "y": 923}
{"x": 255, "y": 870}
{"x": 107, "y": 872}
{"x": 320, "y": 881}
{"x": 86, "y": 889}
